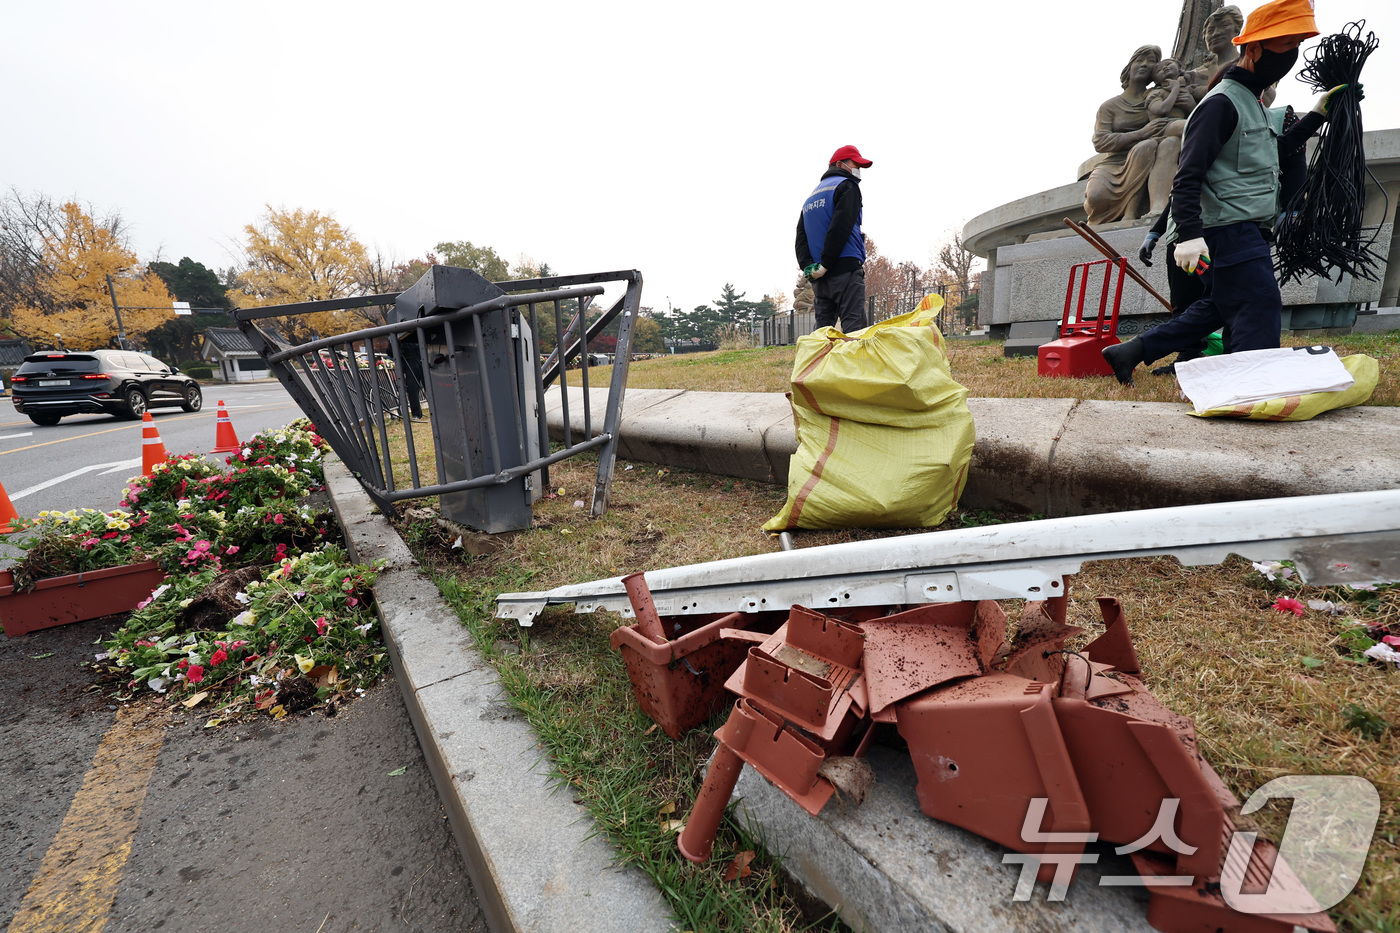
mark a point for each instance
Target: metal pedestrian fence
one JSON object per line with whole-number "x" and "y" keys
{"x": 470, "y": 346}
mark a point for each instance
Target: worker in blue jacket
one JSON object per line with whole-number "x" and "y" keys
{"x": 830, "y": 224}
{"x": 1226, "y": 195}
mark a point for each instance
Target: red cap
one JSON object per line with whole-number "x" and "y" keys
{"x": 852, "y": 153}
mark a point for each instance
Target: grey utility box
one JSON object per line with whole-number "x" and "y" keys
{"x": 480, "y": 383}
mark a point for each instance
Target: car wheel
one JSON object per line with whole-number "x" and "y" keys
{"x": 135, "y": 403}
{"x": 46, "y": 420}
{"x": 194, "y": 399}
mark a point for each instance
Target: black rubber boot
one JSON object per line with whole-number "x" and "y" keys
{"x": 1124, "y": 357}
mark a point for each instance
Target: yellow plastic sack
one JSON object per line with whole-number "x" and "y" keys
{"x": 1365, "y": 370}
{"x": 884, "y": 435}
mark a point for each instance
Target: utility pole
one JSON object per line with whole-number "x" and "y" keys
{"x": 121, "y": 331}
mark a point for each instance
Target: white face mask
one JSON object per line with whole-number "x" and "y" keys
{"x": 855, "y": 171}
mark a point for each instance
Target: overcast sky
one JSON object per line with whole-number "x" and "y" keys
{"x": 675, "y": 139}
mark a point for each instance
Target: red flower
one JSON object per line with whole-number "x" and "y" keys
{"x": 322, "y": 625}
{"x": 195, "y": 674}
{"x": 1284, "y": 604}
{"x": 218, "y": 657}
{"x": 184, "y": 663}
{"x": 109, "y": 535}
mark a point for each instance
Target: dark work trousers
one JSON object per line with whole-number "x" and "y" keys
{"x": 1184, "y": 290}
{"x": 1240, "y": 294}
{"x": 840, "y": 297}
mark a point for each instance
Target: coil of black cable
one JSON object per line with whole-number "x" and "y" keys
{"x": 1320, "y": 231}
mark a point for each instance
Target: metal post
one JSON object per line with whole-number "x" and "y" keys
{"x": 121, "y": 330}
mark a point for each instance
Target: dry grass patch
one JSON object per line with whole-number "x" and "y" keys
{"x": 982, "y": 368}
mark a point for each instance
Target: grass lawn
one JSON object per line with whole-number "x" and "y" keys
{"x": 1271, "y": 693}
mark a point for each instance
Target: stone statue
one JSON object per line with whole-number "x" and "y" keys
{"x": 1141, "y": 156}
{"x": 1221, "y": 28}
{"x": 1170, "y": 97}
{"x": 1191, "y": 49}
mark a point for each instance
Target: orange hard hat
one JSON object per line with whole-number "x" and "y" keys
{"x": 1277, "y": 19}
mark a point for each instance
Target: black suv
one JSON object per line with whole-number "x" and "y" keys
{"x": 48, "y": 386}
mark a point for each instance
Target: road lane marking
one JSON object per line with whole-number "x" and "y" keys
{"x": 115, "y": 465}
{"x": 124, "y": 465}
{"x": 10, "y": 437}
{"x": 77, "y": 881}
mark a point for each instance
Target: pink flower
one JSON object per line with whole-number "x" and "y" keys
{"x": 1284, "y": 604}
{"x": 231, "y": 550}
{"x": 218, "y": 657}
{"x": 1391, "y": 639}
{"x": 278, "y": 519}
{"x": 322, "y": 625}
{"x": 352, "y": 601}
{"x": 195, "y": 674}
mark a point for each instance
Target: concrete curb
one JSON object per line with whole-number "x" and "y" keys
{"x": 1048, "y": 456}
{"x": 885, "y": 867}
{"x": 530, "y": 851}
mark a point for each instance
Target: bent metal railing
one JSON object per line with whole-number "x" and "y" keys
{"x": 486, "y": 386}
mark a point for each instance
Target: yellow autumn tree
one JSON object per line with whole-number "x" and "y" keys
{"x": 296, "y": 256}
{"x": 75, "y": 257}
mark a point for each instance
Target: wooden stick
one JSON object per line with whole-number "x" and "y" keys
{"x": 1104, "y": 247}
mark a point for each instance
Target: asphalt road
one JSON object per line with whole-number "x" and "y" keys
{"x": 85, "y": 460}
{"x": 311, "y": 823}
{"x": 142, "y": 818}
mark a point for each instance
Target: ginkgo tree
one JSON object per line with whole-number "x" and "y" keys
{"x": 301, "y": 255}
{"x": 70, "y": 256}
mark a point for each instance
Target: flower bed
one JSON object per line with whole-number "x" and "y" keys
{"x": 262, "y": 608}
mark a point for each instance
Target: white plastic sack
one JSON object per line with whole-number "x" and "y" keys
{"x": 1258, "y": 375}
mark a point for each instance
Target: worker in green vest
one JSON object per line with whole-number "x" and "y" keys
{"x": 1227, "y": 193}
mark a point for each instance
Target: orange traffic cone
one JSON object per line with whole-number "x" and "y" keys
{"x": 225, "y": 441}
{"x": 7, "y": 512}
{"x": 152, "y": 450}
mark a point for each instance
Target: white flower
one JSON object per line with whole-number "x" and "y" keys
{"x": 102, "y": 656}
{"x": 364, "y": 629}
{"x": 157, "y": 684}
{"x": 242, "y": 597}
{"x": 155, "y": 593}
{"x": 246, "y": 617}
{"x": 247, "y": 451}
{"x": 1273, "y": 570}
{"x": 1368, "y": 587}
{"x": 1382, "y": 652}
{"x": 185, "y": 603}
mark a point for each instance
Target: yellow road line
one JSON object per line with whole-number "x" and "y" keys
{"x": 77, "y": 881}
{"x": 129, "y": 427}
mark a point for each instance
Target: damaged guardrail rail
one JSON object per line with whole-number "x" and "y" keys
{"x": 471, "y": 346}
{"x": 1345, "y": 538}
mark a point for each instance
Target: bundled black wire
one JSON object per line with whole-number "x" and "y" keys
{"x": 1321, "y": 231}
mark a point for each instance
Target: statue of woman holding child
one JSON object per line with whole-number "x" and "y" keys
{"x": 1136, "y": 176}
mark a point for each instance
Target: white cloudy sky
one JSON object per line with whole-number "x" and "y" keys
{"x": 675, "y": 139}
